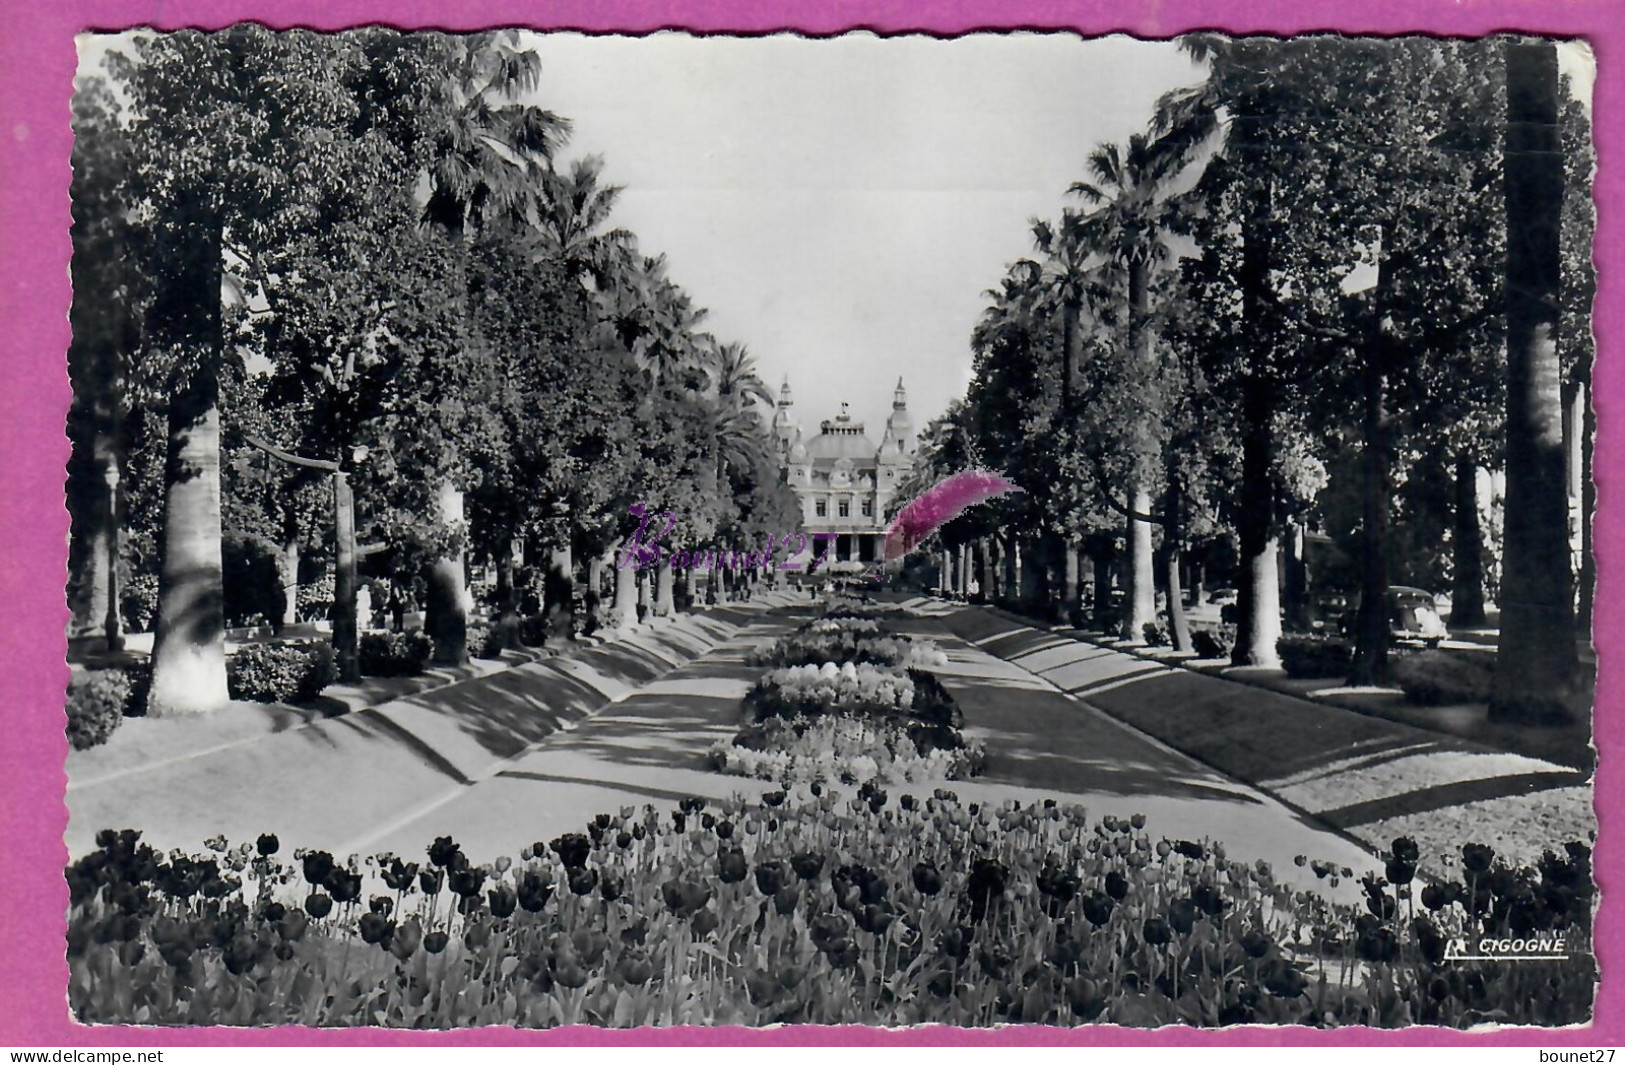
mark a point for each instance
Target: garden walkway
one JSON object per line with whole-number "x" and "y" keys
{"x": 537, "y": 750}
{"x": 329, "y": 774}
{"x": 1370, "y": 777}
{"x": 1042, "y": 744}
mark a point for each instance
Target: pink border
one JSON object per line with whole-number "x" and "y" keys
{"x": 36, "y": 67}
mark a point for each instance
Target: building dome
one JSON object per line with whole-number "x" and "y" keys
{"x": 841, "y": 438}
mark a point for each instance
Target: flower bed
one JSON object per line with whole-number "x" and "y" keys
{"x": 855, "y": 911}
{"x": 817, "y": 647}
{"x": 847, "y": 750}
{"x": 891, "y": 722}
{"x": 813, "y": 691}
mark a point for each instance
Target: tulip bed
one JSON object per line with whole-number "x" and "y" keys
{"x": 848, "y": 705}
{"x": 813, "y": 908}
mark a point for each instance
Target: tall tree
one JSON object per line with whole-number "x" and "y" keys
{"x": 220, "y": 124}
{"x": 489, "y": 155}
{"x": 1536, "y": 661}
{"x": 1129, "y": 189}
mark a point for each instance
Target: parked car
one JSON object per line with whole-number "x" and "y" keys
{"x": 1412, "y": 616}
{"x": 1223, "y": 597}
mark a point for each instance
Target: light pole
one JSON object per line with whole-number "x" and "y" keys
{"x": 113, "y": 624}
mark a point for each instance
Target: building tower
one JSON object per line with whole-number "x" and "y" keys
{"x": 786, "y": 430}
{"x": 898, "y": 444}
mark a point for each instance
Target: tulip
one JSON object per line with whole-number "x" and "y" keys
{"x": 446, "y": 854}
{"x": 408, "y": 937}
{"x": 635, "y": 968}
{"x": 704, "y": 922}
{"x": 267, "y": 845}
{"x": 318, "y": 905}
{"x": 502, "y": 899}
{"x": 731, "y": 866}
{"x": 435, "y": 942}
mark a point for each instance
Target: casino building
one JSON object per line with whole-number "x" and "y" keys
{"x": 843, "y": 480}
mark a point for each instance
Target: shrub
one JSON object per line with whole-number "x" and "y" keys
{"x": 280, "y": 673}
{"x": 1156, "y": 633}
{"x": 1214, "y": 643}
{"x": 96, "y": 702}
{"x": 138, "y": 602}
{"x": 315, "y": 599}
{"x": 1436, "y": 678}
{"x": 1314, "y": 656}
{"x": 485, "y": 639}
{"x": 395, "y": 654}
{"x": 533, "y": 630}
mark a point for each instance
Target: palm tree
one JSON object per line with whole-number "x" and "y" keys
{"x": 1130, "y": 196}
{"x": 571, "y": 213}
{"x": 572, "y": 210}
{"x": 1536, "y": 661}
{"x": 1235, "y": 102}
{"x": 484, "y": 168}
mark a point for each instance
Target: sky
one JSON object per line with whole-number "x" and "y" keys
{"x": 840, "y": 205}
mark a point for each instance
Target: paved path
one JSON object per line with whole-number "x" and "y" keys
{"x": 1042, "y": 744}
{"x": 327, "y": 781}
{"x": 1370, "y": 777}
{"x": 538, "y": 750}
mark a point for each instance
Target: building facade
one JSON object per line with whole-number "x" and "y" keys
{"x": 843, "y": 480}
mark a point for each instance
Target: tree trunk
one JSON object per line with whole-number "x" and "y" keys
{"x": 1141, "y": 602}
{"x": 1030, "y": 569}
{"x": 1371, "y": 623}
{"x": 559, "y": 591}
{"x": 506, "y": 625}
{"x": 689, "y": 585}
{"x": 1297, "y": 579}
{"x": 346, "y": 639}
{"x": 1010, "y": 585}
{"x": 1536, "y": 661}
{"x": 97, "y": 605}
{"x": 625, "y": 614}
{"x": 112, "y": 617}
{"x": 1140, "y": 605}
{"x": 1179, "y": 629}
{"x": 289, "y": 566}
{"x": 1467, "y": 542}
{"x": 1102, "y": 602}
{"x": 945, "y": 574}
{"x": 1069, "y": 584}
{"x": 665, "y": 606}
{"x": 1258, "y": 598}
{"x": 446, "y": 612}
{"x": 189, "y": 649}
